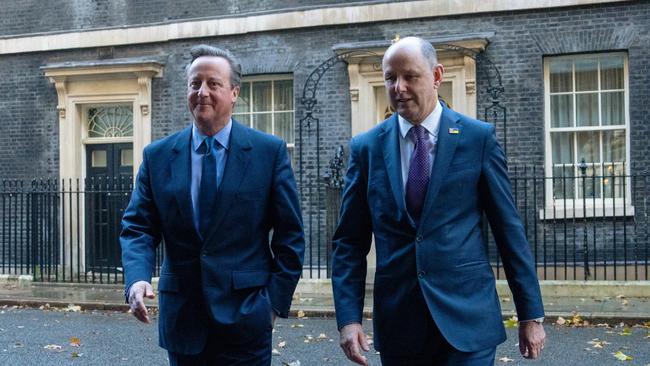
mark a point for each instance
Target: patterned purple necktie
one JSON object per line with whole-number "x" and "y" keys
{"x": 418, "y": 179}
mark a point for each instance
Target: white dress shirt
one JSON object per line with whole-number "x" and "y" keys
{"x": 406, "y": 145}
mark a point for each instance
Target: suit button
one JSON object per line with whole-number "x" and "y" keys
{"x": 418, "y": 238}
{"x": 421, "y": 274}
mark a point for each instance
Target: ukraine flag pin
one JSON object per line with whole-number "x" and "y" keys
{"x": 454, "y": 131}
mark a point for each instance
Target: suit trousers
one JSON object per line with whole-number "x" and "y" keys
{"x": 219, "y": 352}
{"x": 438, "y": 352}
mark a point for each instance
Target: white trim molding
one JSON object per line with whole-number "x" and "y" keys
{"x": 264, "y": 22}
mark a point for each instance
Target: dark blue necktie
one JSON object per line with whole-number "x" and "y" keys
{"x": 419, "y": 171}
{"x": 208, "y": 186}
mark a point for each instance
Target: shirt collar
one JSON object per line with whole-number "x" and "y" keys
{"x": 431, "y": 123}
{"x": 222, "y": 137}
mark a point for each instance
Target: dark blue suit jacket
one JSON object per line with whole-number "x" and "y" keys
{"x": 441, "y": 266}
{"x": 234, "y": 277}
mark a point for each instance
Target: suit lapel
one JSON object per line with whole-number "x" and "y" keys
{"x": 390, "y": 145}
{"x": 181, "y": 174}
{"x": 447, "y": 143}
{"x": 236, "y": 166}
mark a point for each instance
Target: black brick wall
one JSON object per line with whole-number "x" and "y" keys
{"x": 35, "y": 16}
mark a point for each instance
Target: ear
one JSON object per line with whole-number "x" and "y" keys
{"x": 235, "y": 94}
{"x": 438, "y": 71}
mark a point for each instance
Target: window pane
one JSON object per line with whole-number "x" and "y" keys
{"x": 562, "y": 143}
{"x": 98, "y": 159}
{"x": 586, "y": 74}
{"x": 563, "y": 182}
{"x": 126, "y": 157}
{"x": 587, "y": 113}
{"x": 560, "y": 76}
{"x": 612, "y": 108}
{"x": 562, "y": 110}
{"x": 110, "y": 121}
{"x": 262, "y": 122}
{"x": 589, "y": 147}
{"x": 590, "y": 182}
{"x": 284, "y": 126}
{"x": 243, "y": 103}
{"x": 613, "y": 181}
{"x": 611, "y": 72}
{"x": 262, "y": 96}
{"x": 614, "y": 146}
{"x": 243, "y": 119}
{"x": 283, "y": 95}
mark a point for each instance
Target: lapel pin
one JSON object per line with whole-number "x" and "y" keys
{"x": 454, "y": 131}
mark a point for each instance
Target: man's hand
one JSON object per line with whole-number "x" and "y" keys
{"x": 137, "y": 293}
{"x": 353, "y": 340}
{"x": 531, "y": 339}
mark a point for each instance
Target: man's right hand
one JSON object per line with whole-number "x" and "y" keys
{"x": 137, "y": 293}
{"x": 353, "y": 340}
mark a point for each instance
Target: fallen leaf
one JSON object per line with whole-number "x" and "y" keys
{"x": 505, "y": 359}
{"x": 297, "y": 326}
{"x": 275, "y": 352}
{"x": 54, "y": 347}
{"x": 626, "y": 332}
{"x": 620, "y": 296}
{"x": 76, "y": 355}
{"x": 560, "y": 321}
{"x": 301, "y": 314}
{"x": 282, "y": 344}
{"x": 626, "y": 303}
{"x": 622, "y": 356}
{"x": 75, "y": 342}
{"x": 73, "y": 308}
{"x": 294, "y": 363}
{"x": 322, "y": 336}
{"x": 511, "y": 323}
{"x": 596, "y": 343}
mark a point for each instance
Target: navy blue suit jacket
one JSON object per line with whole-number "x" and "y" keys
{"x": 440, "y": 266}
{"x": 232, "y": 279}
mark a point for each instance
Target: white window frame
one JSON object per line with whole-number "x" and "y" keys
{"x": 578, "y": 207}
{"x": 273, "y": 78}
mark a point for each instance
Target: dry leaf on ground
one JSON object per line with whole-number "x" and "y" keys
{"x": 622, "y": 356}
{"x": 511, "y": 323}
{"x": 54, "y": 347}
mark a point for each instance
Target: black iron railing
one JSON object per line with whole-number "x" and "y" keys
{"x": 586, "y": 222}
{"x": 64, "y": 230}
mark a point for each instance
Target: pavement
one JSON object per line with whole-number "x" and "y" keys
{"x": 593, "y": 301}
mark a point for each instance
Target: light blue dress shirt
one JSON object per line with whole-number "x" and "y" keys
{"x": 222, "y": 144}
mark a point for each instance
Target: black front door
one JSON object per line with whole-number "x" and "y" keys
{"x": 109, "y": 170}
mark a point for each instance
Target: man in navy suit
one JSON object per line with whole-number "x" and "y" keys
{"x": 214, "y": 191}
{"x": 420, "y": 181}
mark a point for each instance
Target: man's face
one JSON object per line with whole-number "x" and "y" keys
{"x": 210, "y": 96}
{"x": 411, "y": 84}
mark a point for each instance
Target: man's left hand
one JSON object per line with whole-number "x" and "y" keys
{"x": 531, "y": 339}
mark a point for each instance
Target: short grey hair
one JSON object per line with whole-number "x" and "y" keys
{"x": 428, "y": 52}
{"x": 426, "y": 49}
{"x": 205, "y": 50}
